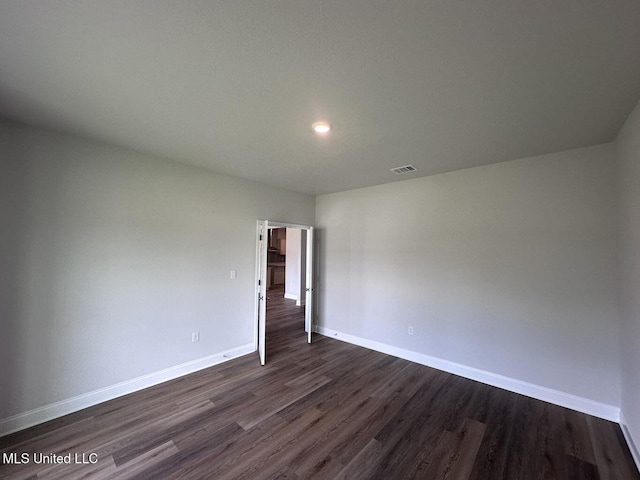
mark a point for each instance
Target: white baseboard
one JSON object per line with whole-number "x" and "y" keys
{"x": 557, "y": 397}
{"x": 633, "y": 446}
{"x": 70, "y": 405}
{"x": 291, "y": 296}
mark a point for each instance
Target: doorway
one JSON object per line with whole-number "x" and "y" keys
{"x": 272, "y": 250}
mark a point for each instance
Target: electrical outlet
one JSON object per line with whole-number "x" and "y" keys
{"x": 410, "y": 331}
{"x": 233, "y": 274}
{"x": 195, "y": 337}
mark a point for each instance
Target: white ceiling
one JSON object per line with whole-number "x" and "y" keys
{"x": 235, "y": 85}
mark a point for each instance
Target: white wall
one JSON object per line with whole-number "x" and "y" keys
{"x": 296, "y": 268}
{"x": 110, "y": 259}
{"x": 507, "y": 268}
{"x": 292, "y": 266}
{"x": 628, "y": 149}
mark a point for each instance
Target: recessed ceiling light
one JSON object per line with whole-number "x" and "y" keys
{"x": 321, "y": 127}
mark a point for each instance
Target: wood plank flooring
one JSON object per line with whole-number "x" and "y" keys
{"x": 323, "y": 411}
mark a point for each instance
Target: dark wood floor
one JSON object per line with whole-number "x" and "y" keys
{"x": 326, "y": 410}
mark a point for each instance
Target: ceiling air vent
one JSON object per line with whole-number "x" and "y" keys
{"x": 405, "y": 169}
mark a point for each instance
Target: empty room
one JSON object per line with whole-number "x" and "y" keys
{"x": 320, "y": 239}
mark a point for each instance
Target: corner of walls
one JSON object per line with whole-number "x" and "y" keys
{"x": 631, "y": 443}
{"x": 628, "y": 177}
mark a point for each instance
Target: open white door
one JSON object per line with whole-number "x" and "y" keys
{"x": 309, "y": 305}
{"x": 261, "y": 283}
{"x": 262, "y": 288}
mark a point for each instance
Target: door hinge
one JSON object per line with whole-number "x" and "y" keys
{"x": 259, "y": 282}
{"x": 260, "y": 237}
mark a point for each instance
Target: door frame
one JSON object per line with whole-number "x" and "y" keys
{"x": 261, "y": 275}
